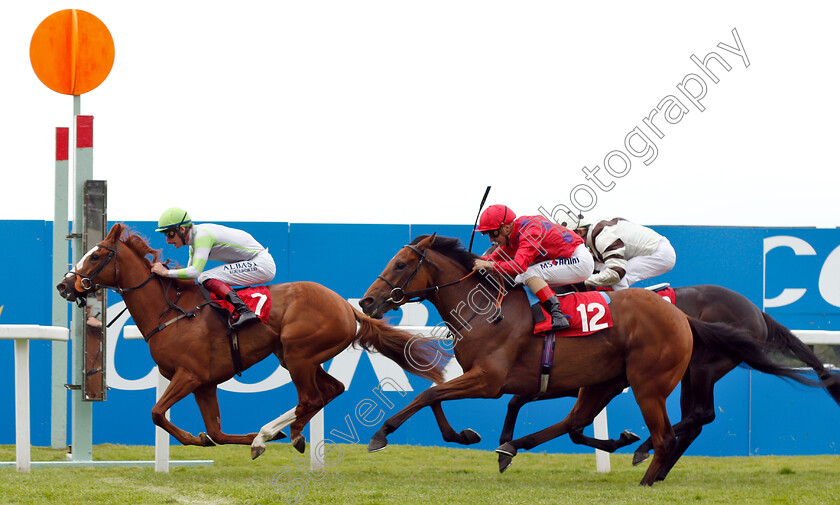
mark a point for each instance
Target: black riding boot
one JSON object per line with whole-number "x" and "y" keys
{"x": 558, "y": 319}
{"x": 246, "y": 315}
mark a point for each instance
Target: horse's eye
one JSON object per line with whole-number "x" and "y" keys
{"x": 94, "y": 257}
{"x": 400, "y": 265}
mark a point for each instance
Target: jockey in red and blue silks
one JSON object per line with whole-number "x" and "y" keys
{"x": 537, "y": 253}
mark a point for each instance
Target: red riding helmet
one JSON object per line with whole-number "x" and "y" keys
{"x": 494, "y": 217}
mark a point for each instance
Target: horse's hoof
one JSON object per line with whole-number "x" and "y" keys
{"x": 377, "y": 444}
{"x": 638, "y": 457}
{"x": 299, "y": 443}
{"x": 628, "y": 437}
{"x": 256, "y": 452}
{"x": 205, "y": 440}
{"x": 504, "y": 462}
{"x": 507, "y": 449}
{"x": 470, "y": 436}
{"x": 279, "y": 436}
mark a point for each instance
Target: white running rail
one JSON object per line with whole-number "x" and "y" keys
{"x": 22, "y": 334}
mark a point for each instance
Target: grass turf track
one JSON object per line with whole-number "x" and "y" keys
{"x": 414, "y": 475}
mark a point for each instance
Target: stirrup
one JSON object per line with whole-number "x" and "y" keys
{"x": 243, "y": 320}
{"x": 560, "y": 324}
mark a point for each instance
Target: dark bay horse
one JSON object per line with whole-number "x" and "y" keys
{"x": 648, "y": 347}
{"x": 308, "y": 325}
{"x": 707, "y": 366}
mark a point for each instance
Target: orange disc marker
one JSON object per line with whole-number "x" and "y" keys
{"x": 72, "y": 52}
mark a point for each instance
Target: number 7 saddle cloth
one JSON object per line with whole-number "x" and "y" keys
{"x": 258, "y": 299}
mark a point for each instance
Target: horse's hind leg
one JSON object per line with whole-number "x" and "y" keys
{"x": 699, "y": 383}
{"x": 329, "y": 389}
{"x": 661, "y": 432}
{"x": 697, "y": 404}
{"x": 182, "y": 384}
{"x": 208, "y": 404}
{"x": 683, "y": 441}
{"x": 324, "y": 390}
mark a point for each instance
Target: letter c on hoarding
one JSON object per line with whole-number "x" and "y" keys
{"x": 830, "y": 278}
{"x": 800, "y": 248}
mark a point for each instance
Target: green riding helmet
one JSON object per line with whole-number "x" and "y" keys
{"x": 173, "y": 218}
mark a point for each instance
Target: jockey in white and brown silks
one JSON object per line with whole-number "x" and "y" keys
{"x": 626, "y": 252}
{"x": 246, "y": 261}
{"x": 536, "y": 252}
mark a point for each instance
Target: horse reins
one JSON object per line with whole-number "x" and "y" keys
{"x": 87, "y": 280}
{"x": 88, "y": 284}
{"x": 422, "y": 294}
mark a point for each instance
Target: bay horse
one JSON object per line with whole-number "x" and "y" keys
{"x": 707, "y": 366}
{"x": 649, "y": 347}
{"x": 308, "y": 325}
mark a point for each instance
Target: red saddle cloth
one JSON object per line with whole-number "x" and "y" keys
{"x": 589, "y": 312}
{"x": 668, "y": 294}
{"x": 257, "y": 299}
{"x": 663, "y": 290}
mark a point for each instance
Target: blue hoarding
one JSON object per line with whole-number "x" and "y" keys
{"x": 793, "y": 273}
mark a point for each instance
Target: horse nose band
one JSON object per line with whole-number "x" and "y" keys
{"x": 400, "y": 290}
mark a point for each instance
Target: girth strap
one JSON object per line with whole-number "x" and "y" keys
{"x": 547, "y": 360}
{"x": 236, "y": 356}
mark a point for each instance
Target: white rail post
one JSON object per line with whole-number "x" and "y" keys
{"x": 316, "y": 443}
{"x": 22, "y": 435}
{"x": 602, "y": 458}
{"x": 161, "y": 436}
{"x": 21, "y": 334}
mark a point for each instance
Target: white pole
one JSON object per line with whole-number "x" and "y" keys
{"x": 161, "y": 436}
{"x": 602, "y": 458}
{"x": 316, "y": 444}
{"x": 22, "y": 439}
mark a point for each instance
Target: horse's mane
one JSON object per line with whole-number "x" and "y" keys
{"x": 140, "y": 245}
{"x": 453, "y": 248}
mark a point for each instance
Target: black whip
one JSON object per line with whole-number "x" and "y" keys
{"x": 472, "y": 237}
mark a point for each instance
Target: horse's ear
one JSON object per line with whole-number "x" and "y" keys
{"x": 427, "y": 242}
{"x": 116, "y": 232}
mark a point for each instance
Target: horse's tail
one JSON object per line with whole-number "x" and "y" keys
{"x": 414, "y": 353}
{"x": 737, "y": 345}
{"x": 781, "y": 339}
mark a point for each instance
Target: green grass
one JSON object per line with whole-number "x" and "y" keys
{"x": 409, "y": 475}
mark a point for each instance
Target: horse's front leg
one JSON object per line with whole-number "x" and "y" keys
{"x": 591, "y": 400}
{"x": 182, "y": 383}
{"x": 465, "y": 437}
{"x": 208, "y": 404}
{"x": 476, "y": 383}
{"x": 514, "y": 406}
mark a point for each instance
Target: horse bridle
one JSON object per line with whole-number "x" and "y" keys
{"x": 421, "y": 294}
{"x": 87, "y": 280}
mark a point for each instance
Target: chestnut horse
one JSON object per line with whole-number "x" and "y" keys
{"x": 648, "y": 347}
{"x": 649, "y": 344}
{"x": 308, "y": 325}
{"x": 707, "y": 366}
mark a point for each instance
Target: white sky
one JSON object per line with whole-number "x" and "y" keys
{"x": 396, "y": 112}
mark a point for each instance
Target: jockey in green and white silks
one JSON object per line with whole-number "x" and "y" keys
{"x": 246, "y": 261}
